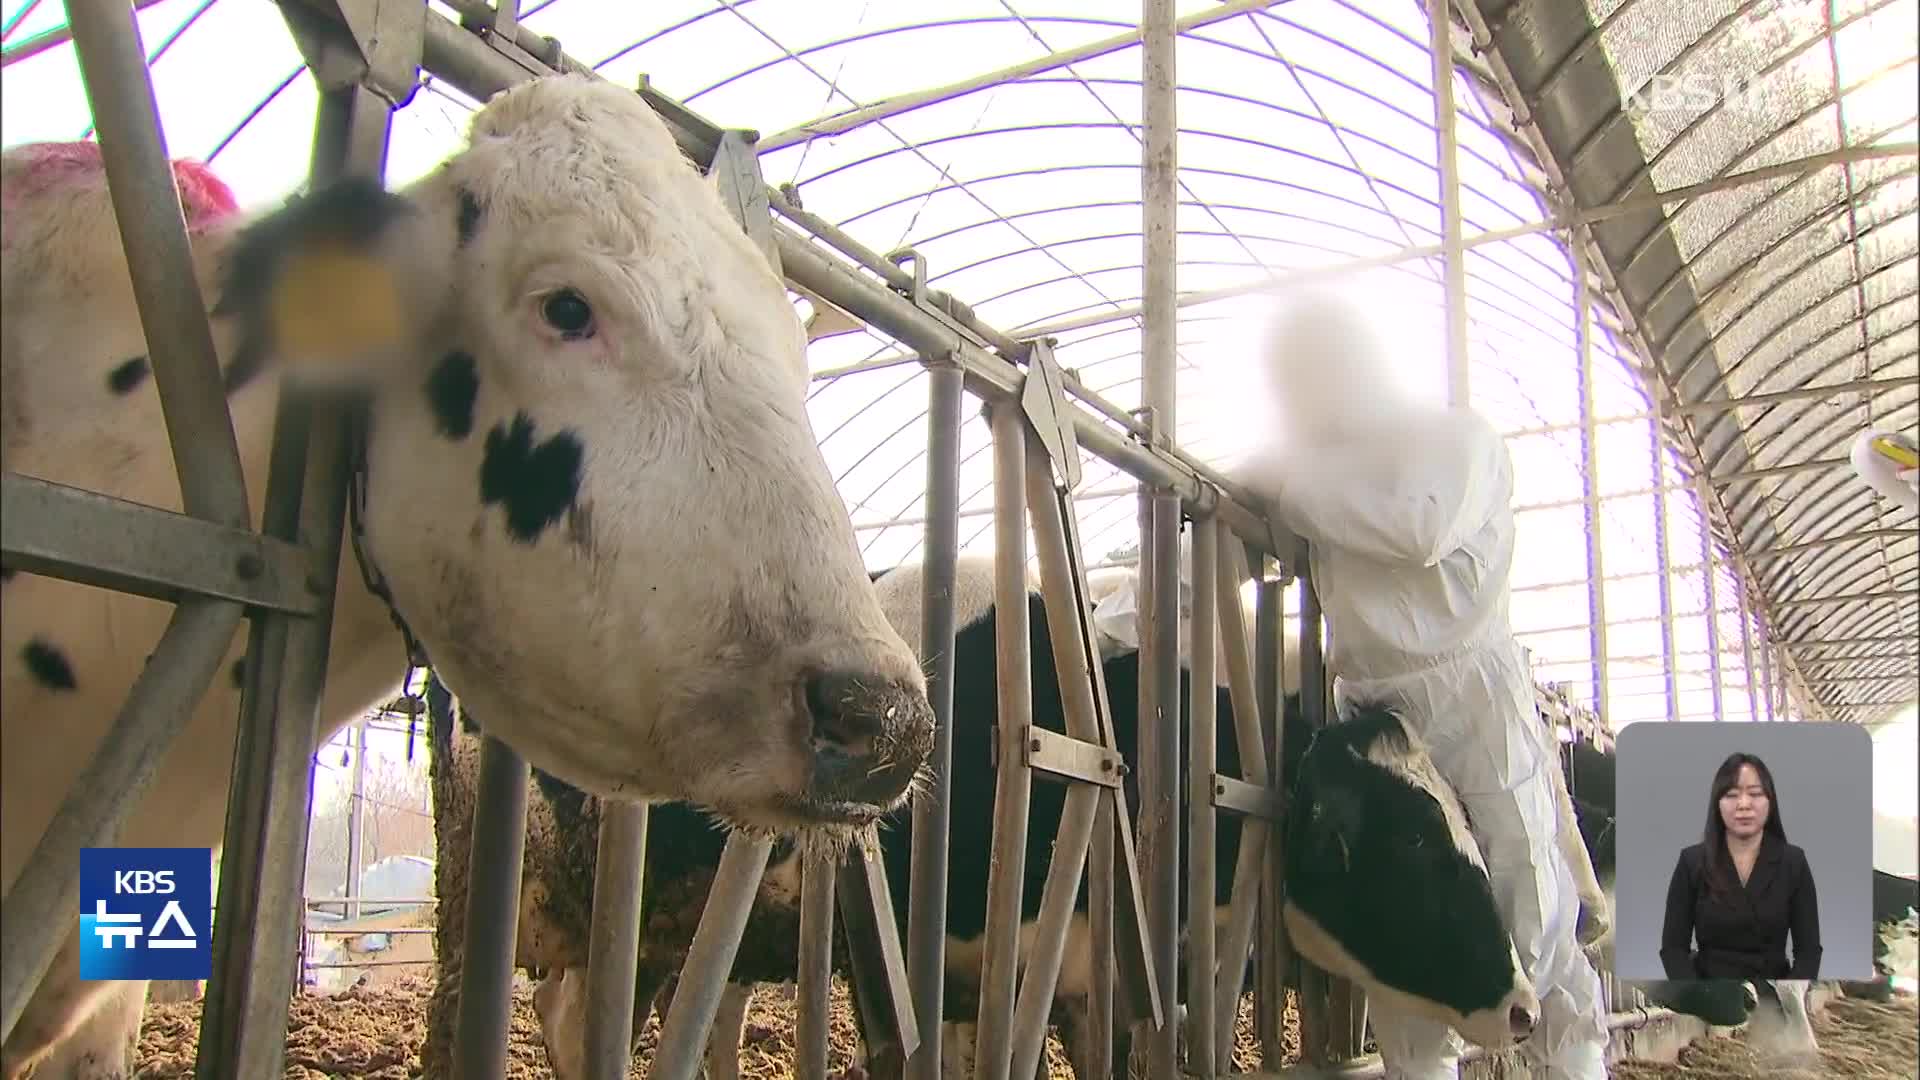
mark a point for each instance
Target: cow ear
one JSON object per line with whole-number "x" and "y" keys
{"x": 316, "y": 285}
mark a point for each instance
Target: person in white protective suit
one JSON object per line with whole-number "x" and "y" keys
{"x": 1406, "y": 510}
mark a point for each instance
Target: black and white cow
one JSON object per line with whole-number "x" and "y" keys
{"x": 592, "y": 487}
{"x": 1372, "y": 824}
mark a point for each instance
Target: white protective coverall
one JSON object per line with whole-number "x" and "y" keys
{"x": 1406, "y": 509}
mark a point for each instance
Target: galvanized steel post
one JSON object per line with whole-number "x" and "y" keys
{"x": 613, "y": 937}
{"x": 1202, "y": 734}
{"x": 927, "y": 902}
{"x": 495, "y": 857}
{"x": 1663, "y": 562}
{"x": 1590, "y": 491}
{"x": 243, "y": 1021}
{"x": 1159, "y": 748}
{"x": 1013, "y": 789}
{"x": 1711, "y": 590}
{"x": 1748, "y": 673}
{"x": 1453, "y": 249}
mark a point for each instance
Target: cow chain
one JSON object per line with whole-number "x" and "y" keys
{"x": 370, "y": 575}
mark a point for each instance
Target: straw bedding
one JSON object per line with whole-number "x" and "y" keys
{"x": 376, "y": 1033}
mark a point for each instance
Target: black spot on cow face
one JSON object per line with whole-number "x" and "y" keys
{"x": 238, "y": 673}
{"x": 451, "y": 389}
{"x": 48, "y": 665}
{"x": 1363, "y": 840}
{"x": 535, "y": 484}
{"x": 127, "y": 376}
{"x": 469, "y": 219}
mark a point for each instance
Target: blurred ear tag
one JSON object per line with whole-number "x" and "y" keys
{"x": 1893, "y": 451}
{"x": 336, "y": 304}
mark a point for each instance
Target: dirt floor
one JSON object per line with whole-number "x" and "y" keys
{"x": 375, "y": 1034}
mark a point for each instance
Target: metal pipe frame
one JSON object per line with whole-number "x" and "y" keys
{"x": 1251, "y": 726}
{"x": 683, "y": 1034}
{"x": 1316, "y": 986}
{"x": 816, "y": 967}
{"x": 1013, "y": 792}
{"x": 1202, "y": 728}
{"x": 613, "y": 937}
{"x": 495, "y": 858}
{"x": 1662, "y": 559}
{"x": 1711, "y": 613}
{"x": 146, "y": 203}
{"x": 1273, "y": 958}
{"x": 927, "y": 900}
{"x": 1590, "y": 484}
{"x": 1159, "y": 739}
{"x": 1453, "y": 249}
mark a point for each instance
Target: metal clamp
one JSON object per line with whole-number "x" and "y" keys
{"x": 367, "y": 43}
{"x": 1044, "y": 398}
{"x": 736, "y": 164}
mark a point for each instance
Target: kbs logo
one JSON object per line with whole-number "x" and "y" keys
{"x": 146, "y": 913}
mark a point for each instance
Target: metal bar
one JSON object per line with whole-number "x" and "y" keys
{"x": 1590, "y": 489}
{"x": 1315, "y": 689}
{"x": 1159, "y": 747}
{"x": 94, "y": 539}
{"x": 494, "y": 861}
{"x": 45, "y": 895}
{"x": 1803, "y": 393}
{"x": 878, "y": 971}
{"x": 166, "y": 290}
{"x": 1013, "y": 790}
{"x": 932, "y": 812}
{"x": 355, "y": 816}
{"x": 1273, "y": 958}
{"x": 843, "y": 122}
{"x": 1766, "y": 671}
{"x": 613, "y": 935}
{"x": 816, "y": 966}
{"x": 1844, "y": 598}
{"x": 1202, "y": 745}
{"x": 1902, "y": 533}
{"x": 1074, "y": 660}
{"x": 1662, "y": 558}
{"x": 1712, "y": 611}
{"x": 1243, "y": 907}
{"x": 1453, "y": 251}
{"x": 244, "y": 1018}
{"x": 683, "y": 1036}
{"x": 1850, "y": 680}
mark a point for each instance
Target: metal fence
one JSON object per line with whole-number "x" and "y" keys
{"x": 366, "y": 58}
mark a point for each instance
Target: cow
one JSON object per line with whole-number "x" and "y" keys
{"x": 590, "y": 487}
{"x": 1372, "y": 823}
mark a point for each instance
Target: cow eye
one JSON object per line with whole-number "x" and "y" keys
{"x": 567, "y": 311}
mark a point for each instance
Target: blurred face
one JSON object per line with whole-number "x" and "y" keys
{"x": 1744, "y": 806}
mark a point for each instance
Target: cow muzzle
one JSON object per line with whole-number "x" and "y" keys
{"x": 870, "y": 737}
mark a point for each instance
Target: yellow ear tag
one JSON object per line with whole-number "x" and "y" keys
{"x": 335, "y": 304}
{"x": 1893, "y": 451}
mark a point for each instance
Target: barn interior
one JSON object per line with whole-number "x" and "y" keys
{"x": 1669, "y": 250}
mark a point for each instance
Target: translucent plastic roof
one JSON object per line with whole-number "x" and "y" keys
{"x": 1307, "y": 141}
{"x": 1807, "y": 280}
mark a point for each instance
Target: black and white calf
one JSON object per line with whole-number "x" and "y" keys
{"x": 1372, "y": 825}
{"x": 591, "y": 486}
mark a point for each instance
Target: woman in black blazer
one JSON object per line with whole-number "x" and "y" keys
{"x": 1742, "y": 890}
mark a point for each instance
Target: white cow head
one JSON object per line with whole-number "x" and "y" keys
{"x": 592, "y": 485}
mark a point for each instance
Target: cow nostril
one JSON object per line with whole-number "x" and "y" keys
{"x": 1521, "y": 1020}
{"x": 839, "y": 721}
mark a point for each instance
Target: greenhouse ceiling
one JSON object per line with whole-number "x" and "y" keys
{"x": 1774, "y": 316}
